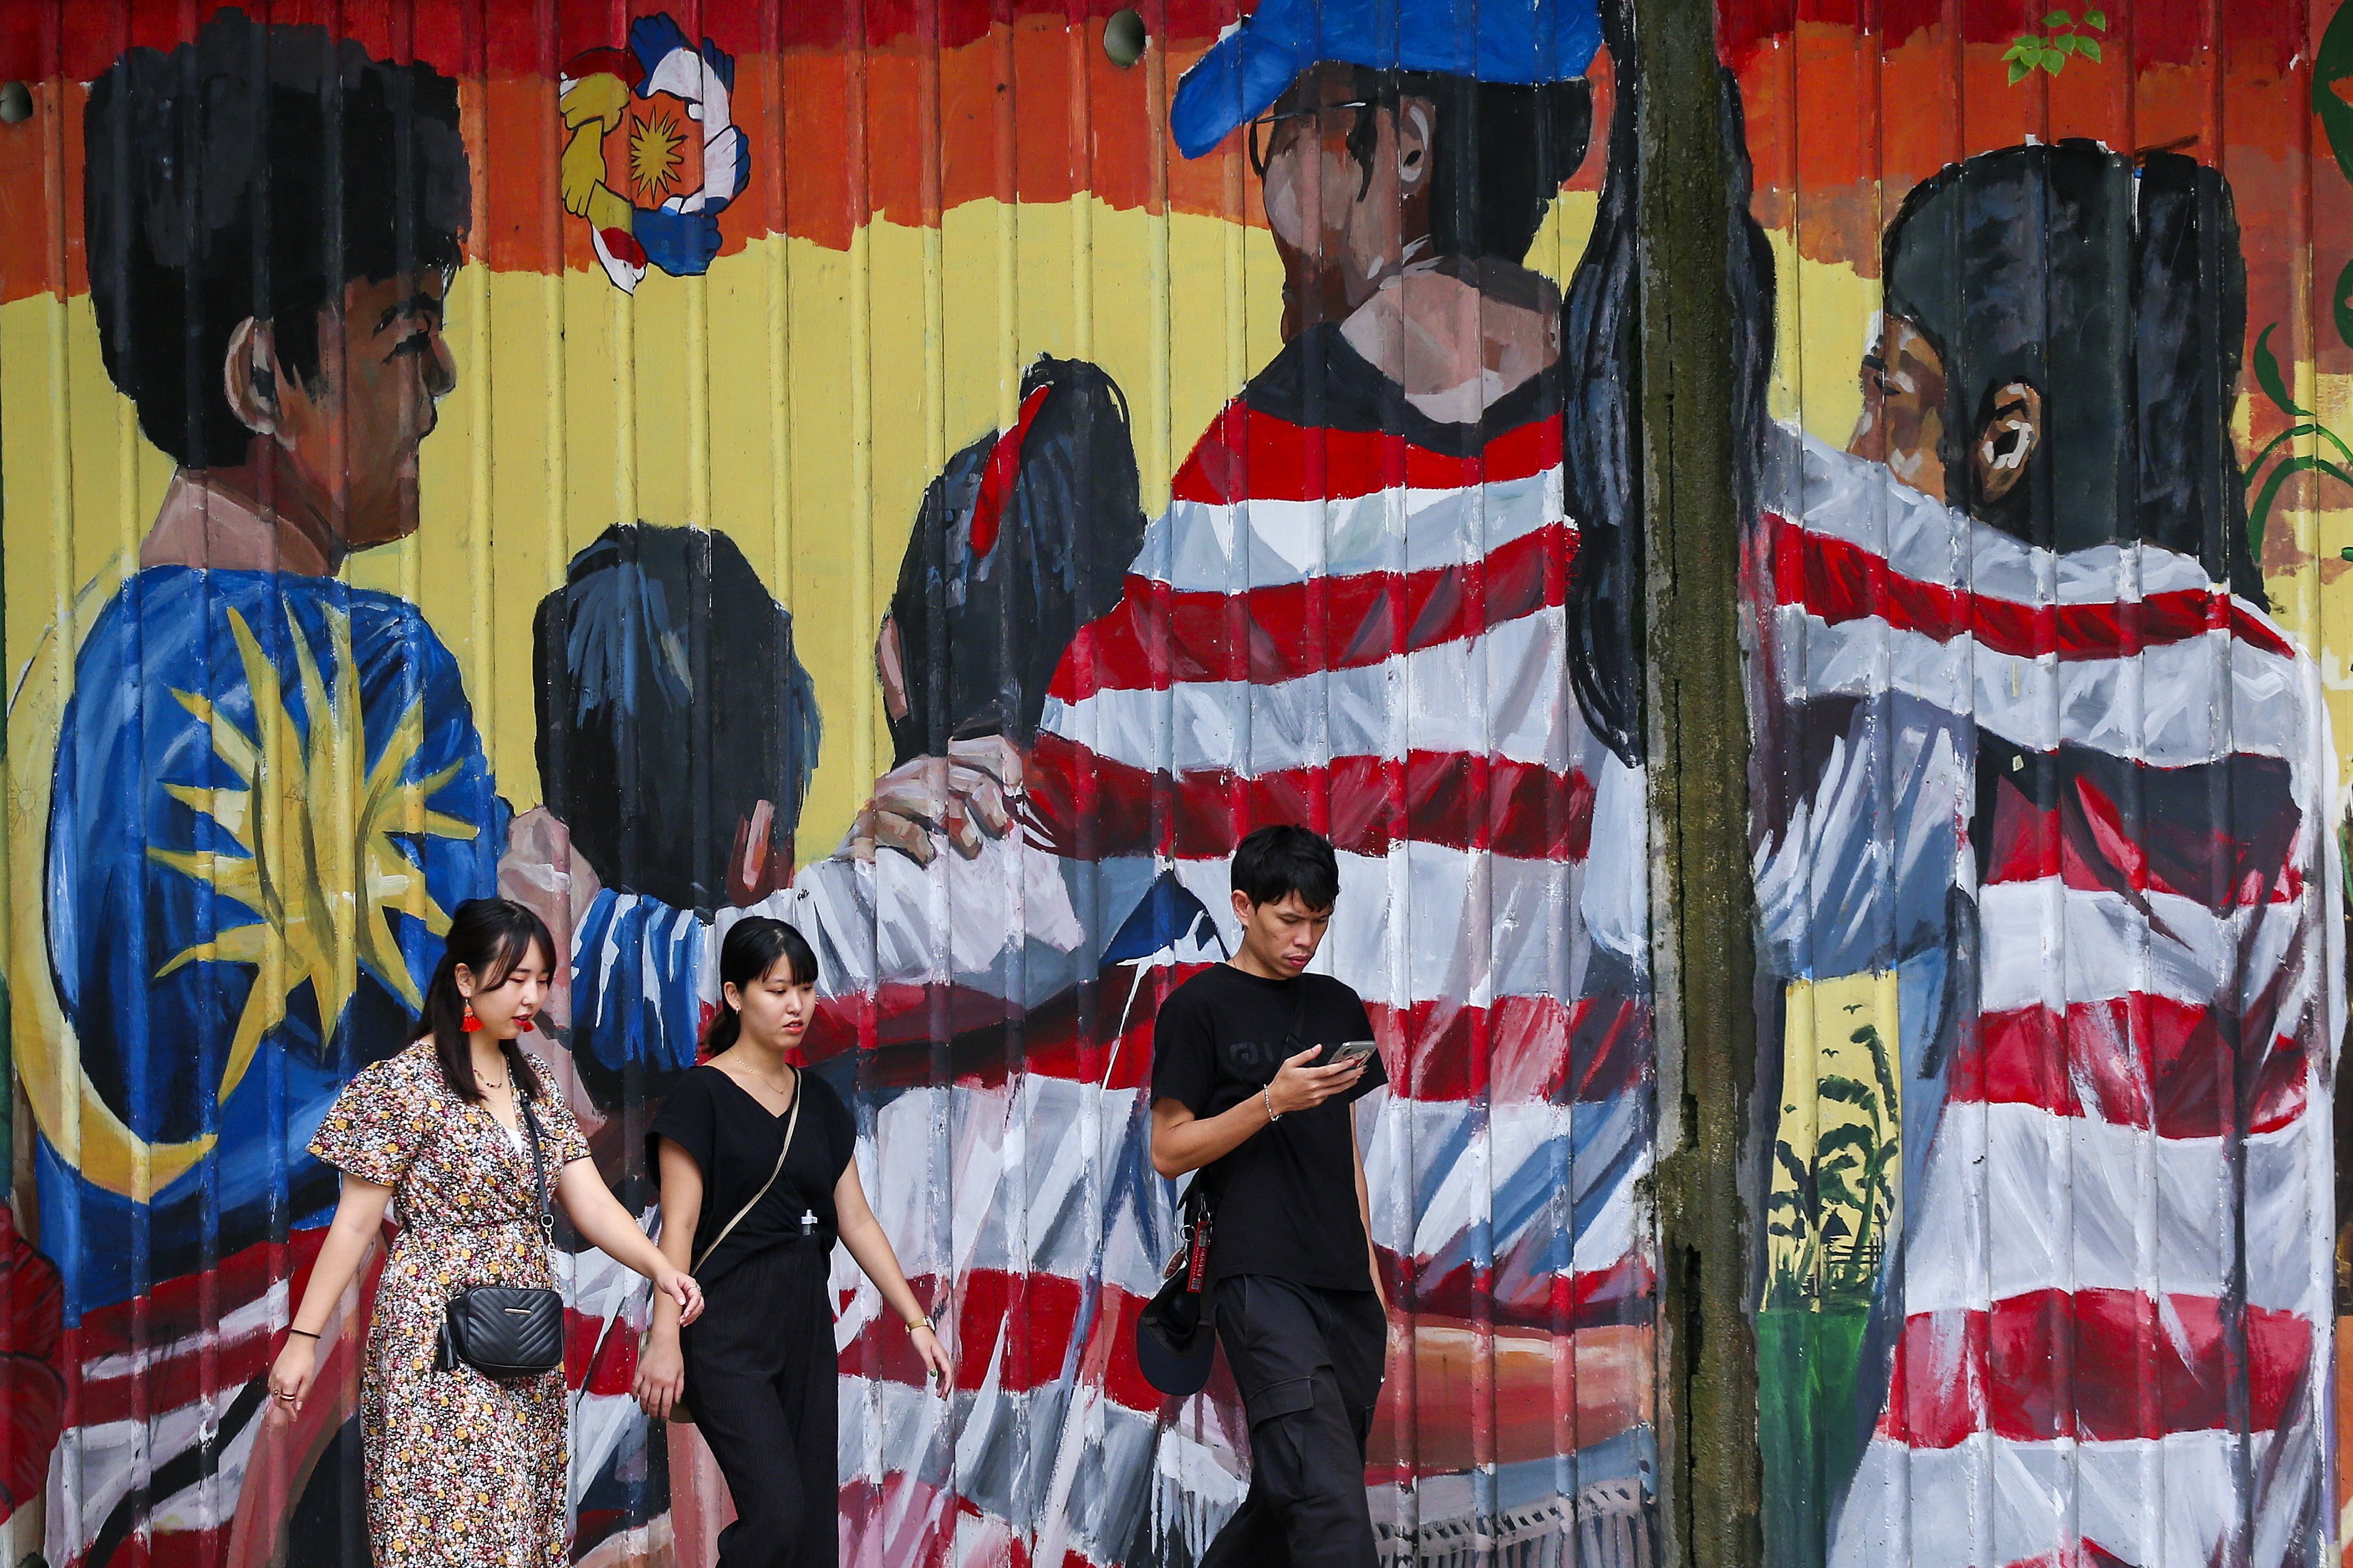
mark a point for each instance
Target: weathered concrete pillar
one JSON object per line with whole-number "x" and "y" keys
{"x": 1702, "y": 929}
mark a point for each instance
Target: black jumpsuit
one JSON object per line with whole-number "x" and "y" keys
{"x": 760, "y": 1367}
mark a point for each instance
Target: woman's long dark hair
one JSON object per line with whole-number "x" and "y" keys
{"x": 490, "y": 937}
{"x": 1601, "y": 356}
{"x": 753, "y": 946}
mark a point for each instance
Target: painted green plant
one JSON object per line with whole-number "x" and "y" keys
{"x": 1833, "y": 1219}
{"x": 2275, "y": 464}
{"x": 2332, "y": 101}
{"x": 2063, "y": 38}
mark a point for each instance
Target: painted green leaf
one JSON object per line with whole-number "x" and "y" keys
{"x": 2053, "y": 61}
{"x": 2096, "y": 20}
{"x": 2267, "y": 375}
{"x": 2058, "y": 19}
{"x": 2017, "y": 70}
{"x": 2089, "y": 49}
{"x": 2331, "y": 68}
{"x": 2018, "y": 50}
{"x": 2342, "y": 304}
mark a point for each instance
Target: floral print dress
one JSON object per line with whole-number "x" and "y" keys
{"x": 463, "y": 1470}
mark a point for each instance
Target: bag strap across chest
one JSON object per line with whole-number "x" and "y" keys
{"x": 545, "y": 1211}
{"x": 800, "y": 1093}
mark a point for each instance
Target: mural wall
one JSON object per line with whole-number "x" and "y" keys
{"x": 936, "y": 476}
{"x": 903, "y": 469}
{"x": 2049, "y": 612}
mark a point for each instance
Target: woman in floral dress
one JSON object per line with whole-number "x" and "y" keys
{"x": 463, "y": 1470}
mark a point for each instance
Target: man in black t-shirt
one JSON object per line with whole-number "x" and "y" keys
{"x": 1241, "y": 1092}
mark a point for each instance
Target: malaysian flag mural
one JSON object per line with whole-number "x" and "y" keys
{"x": 940, "y": 474}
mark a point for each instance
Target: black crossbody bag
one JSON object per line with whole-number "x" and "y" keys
{"x": 507, "y": 1330}
{"x": 1175, "y": 1322}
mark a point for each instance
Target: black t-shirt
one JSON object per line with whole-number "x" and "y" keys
{"x": 1286, "y": 1201}
{"x": 734, "y": 1139}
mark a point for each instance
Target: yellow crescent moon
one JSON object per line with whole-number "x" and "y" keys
{"x": 74, "y": 1116}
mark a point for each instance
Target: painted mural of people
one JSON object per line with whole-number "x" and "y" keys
{"x": 1023, "y": 538}
{"x": 269, "y": 789}
{"x": 2036, "y": 766}
{"x": 677, "y": 734}
{"x": 1390, "y": 597}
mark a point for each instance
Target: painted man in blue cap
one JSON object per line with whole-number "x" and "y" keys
{"x": 1393, "y": 597}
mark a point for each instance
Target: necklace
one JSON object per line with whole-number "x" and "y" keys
{"x": 778, "y": 1086}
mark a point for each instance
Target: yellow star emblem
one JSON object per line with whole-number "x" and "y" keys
{"x": 321, "y": 868}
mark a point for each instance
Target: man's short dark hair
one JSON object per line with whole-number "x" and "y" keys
{"x": 2116, "y": 287}
{"x": 1281, "y": 859}
{"x": 1499, "y": 152}
{"x": 670, "y": 704}
{"x": 254, "y": 173}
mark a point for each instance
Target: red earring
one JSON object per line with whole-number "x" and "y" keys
{"x": 471, "y": 1023}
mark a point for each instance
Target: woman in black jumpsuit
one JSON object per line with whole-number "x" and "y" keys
{"x": 757, "y": 1369}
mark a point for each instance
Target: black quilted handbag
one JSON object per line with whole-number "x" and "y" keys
{"x": 505, "y": 1331}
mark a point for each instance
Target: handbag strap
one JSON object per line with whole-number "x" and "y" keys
{"x": 1292, "y": 1042}
{"x": 791, "y": 1123}
{"x": 538, "y": 1169}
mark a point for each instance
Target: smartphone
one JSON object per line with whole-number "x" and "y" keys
{"x": 1346, "y": 1054}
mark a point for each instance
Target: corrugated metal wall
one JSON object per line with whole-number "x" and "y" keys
{"x": 813, "y": 393}
{"x": 2046, "y": 802}
{"x": 907, "y": 470}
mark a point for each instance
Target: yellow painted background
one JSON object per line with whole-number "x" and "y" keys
{"x": 799, "y": 398}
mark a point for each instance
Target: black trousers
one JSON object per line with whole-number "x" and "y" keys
{"x": 760, "y": 1378}
{"x": 1309, "y": 1364}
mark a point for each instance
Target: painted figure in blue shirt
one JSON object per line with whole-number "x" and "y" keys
{"x": 270, "y": 789}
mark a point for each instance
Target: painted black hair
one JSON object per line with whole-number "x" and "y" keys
{"x": 1602, "y": 393}
{"x": 670, "y": 704}
{"x": 1499, "y": 152}
{"x": 752, "y": 948}
{"x": 253, "y": 173}
{"x": 490, "y": 937}
{"x": 2118, "y": 290}
{"x": 1280, "y": 859}
{"x": 1021, "y": 540}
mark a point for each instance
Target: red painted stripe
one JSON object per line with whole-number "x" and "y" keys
{"x": 164, "y": 1549}
{"x": 2094, "y": 1365}
{"x": 1247, "y": 455}
{"x": 1092, "y": 808}
{"x": 1017, "y": 1329}
{"x": 1157, "y": 637}
{"x": 2085, "y": 841}
{"x": 195, "y": 1363}
{"x": 172, "y": 1381}
{"x": 194, "y": 1303}
{"x": 1625, "y": 1292}
{"x": 1516, "y": 1050}
{"x": 1842, "y": 582}
{"x": 2083, "y": 1555}
{"x": 2133, "y": 1061}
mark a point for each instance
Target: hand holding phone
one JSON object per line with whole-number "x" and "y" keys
{"x": 1315, "y": 1075}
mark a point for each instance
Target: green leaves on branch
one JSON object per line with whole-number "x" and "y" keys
{"x": 2049, "y": 50}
